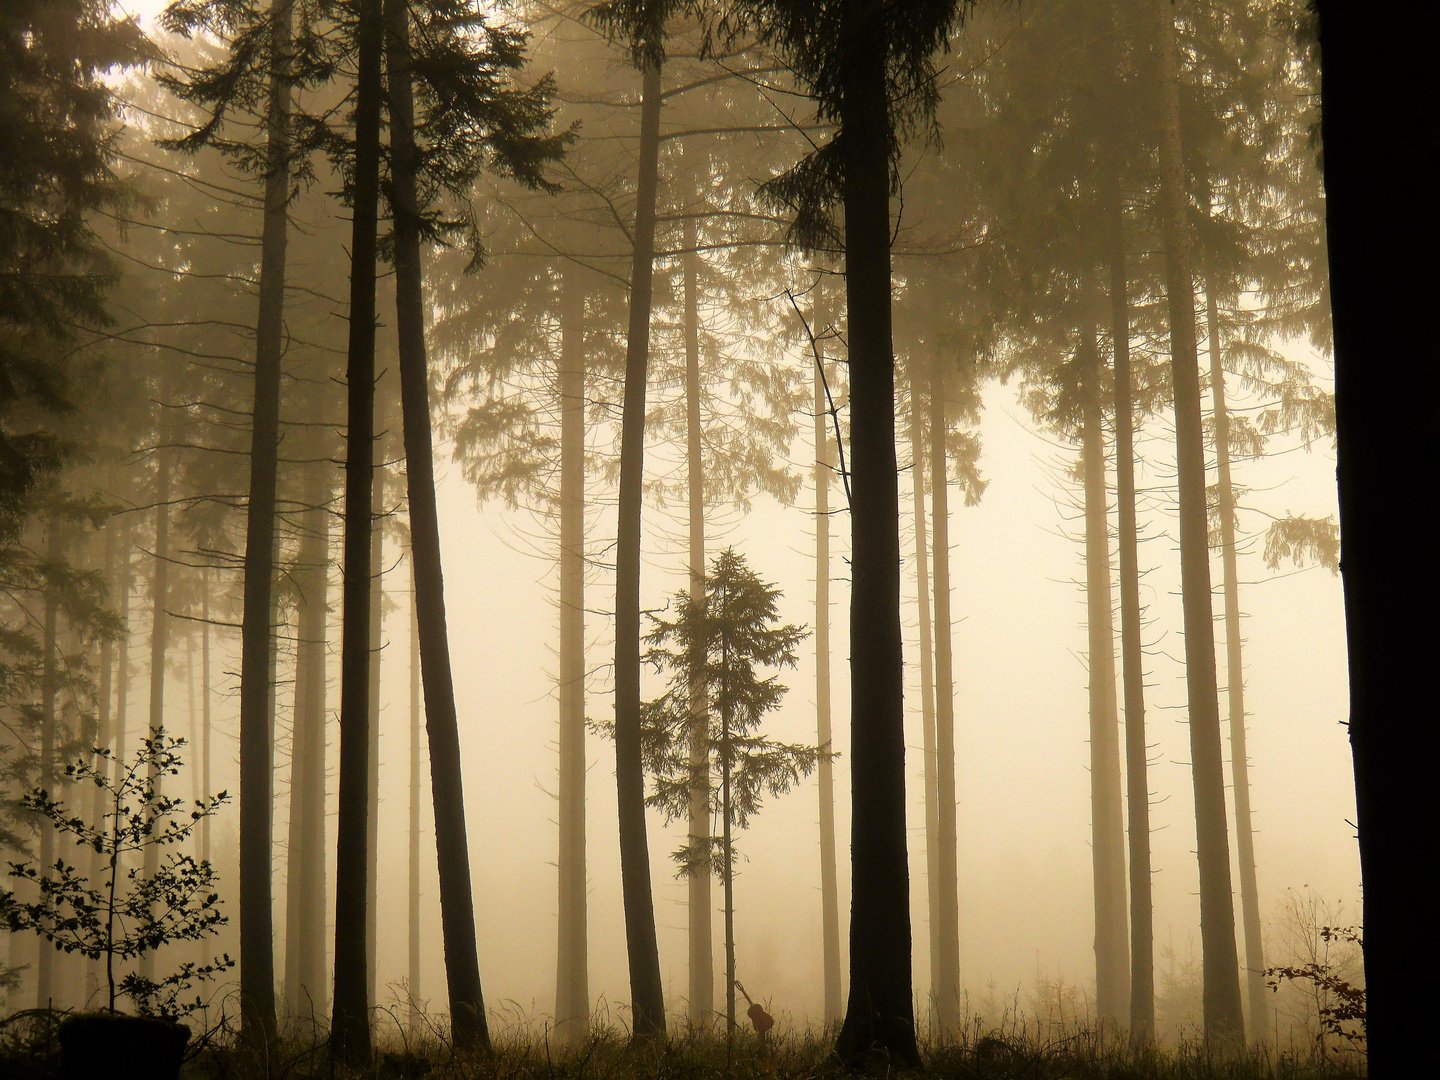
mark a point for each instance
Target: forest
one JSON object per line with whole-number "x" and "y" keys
{"x": 943, "y": 459}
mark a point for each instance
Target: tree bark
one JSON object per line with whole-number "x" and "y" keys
{"x": 1223, "y": 1014}
{"x": 1107, "y": 848}
{"x": 727, "y": 871}
{"x": 1137, "y": 780}
{"x": 646, "y": 989}
{"x": 572, "y": 972}
{"x": 919, "y": 451}
{"x": 159, "y": 643}
{"x": 412, "y": 985}
{"x": 825, "y": 769}
{"x": 1375, "y": 97}
{"x": 702, "y": 965}
{"x": 372, "y": 800}
{"x": 305, "y": 989}
{"x": 947, "y": 996}
{"x": 1235, "y": 686}
{"x": 457, "y": 910}
{"x": 103, "y": 737}
{"x": 49, "y": 690}
{"x": 350, "y": 1025}
{"x": 880, "y": 1016}
{"x": 205, "y": 691}
{"x": 257, "y": 960}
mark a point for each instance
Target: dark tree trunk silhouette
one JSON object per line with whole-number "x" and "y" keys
{"x": 124, "y": 583}
{"x": 880, "y": 1014}
{"x": 1235, "y": 686}
{"x": 1375, "y": 98}
{"x": 159, "y": 640}
{"x": 572, "y": 978}
{"x": 412, "y": 935}
{"x": 947, "y": 979}
{"x": 49, "y": 691}
{"x": 206, "y": 689}
{"x": 257, "y": 959}
{"x": 1223, "y": 1014}
{"x": 103, "y": 736}
{"x": 305, "y": 989}
{"x": 919, "y": 451}
{"x": 825, "y": 769}
{"x": 647, "y": 992}
{"x": 1107, "y": 847}
{"x": 350, "y": 1023}
{"x": 702, "y": 962}
{"x": 1137, "y": 779}
{"x": 457, "y": 910}
{"x": 372, "y": 798}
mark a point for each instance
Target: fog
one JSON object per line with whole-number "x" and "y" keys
{"x": 166, "y": 375}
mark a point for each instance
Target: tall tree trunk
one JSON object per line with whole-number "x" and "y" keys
{"x": 124, "y": 583}
{"x": 919, "y": 451}
{"x": 350, "y": 1025}
{"x": 1137, "y": 780}
{"x": 572, "y": 970}
{"x": 825, "y": 770}
{"x": 103, "y": 737}
{"x": 159, "y": 643}
{"x": 727, "y": 871}
{"x": 880, "y": 1015}
{"x": 457, "y": 911}
{"x": 413, "y": 854}
{"x": 372, "y": 800}
{"x": 49, "y": 691}
{"x": 1235, "y": 686}
{"x": 1375, "y": 96}
{"x": 257, "y": 959}
{"x": 947, "y": 996}
{"x": 1107, "y": 847}
{"x": 305, "y": 989}
{"x": 1223, "y": 1013}
{"x": 647, "y": 994}
{"x": 702, "y": 965}
{"x": 205, "y": 692}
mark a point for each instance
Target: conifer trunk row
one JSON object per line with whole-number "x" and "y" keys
{"x": 919, "y": 451}
{"x": 350, "y": 1023}
{"x": 880, "y": 1015}
{"x": 702, "y": 967}
{"x": 572, "y": 975}
{"x": 457, "y": 910}
{"x": 1137, "y": 780}
{"x": 1107, "y": 848}
{"x": 1223, "y": 1014}
{"x": 1235, "y": 685}
{"x": 647, "y": 995}
{"x": 257, "y": 961}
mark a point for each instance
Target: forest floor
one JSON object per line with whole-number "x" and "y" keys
{"x": 29, "y": 1051}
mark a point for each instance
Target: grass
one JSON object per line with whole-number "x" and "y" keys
{"x": 29, "y": 1051}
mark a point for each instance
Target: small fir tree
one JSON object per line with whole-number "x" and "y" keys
{"x": 713, "y": 649}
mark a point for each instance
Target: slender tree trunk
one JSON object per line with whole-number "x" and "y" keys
{"x": 103, "y": 737}
{"x": 825, "y": 770}
{"x": 646, "y": 990}
{"x": 1224, "y": 1017}
{"x": 123, "y": 585}
{"x": 1235, "y": 687}
{"x": 919, "y": 452}
{"x": 572, "y": 979}
{"x": 1137, "y": 780}
{"x": 1107, "y": 848}
{"x": 1376, "y": 85}
{"x": 457, "y": 911}
{"x": 205, "y": 692}
{"x": 947, "y": 996}
{"x": 413, "y": 854}
{"x": 880, "y": 1016}
{"x": 159, "y": 643}
{"x": 702, "y": 967}
{"x": 49, "y": 691}
{"x": 727, "y": 871}
{"x": 257, "y": 960}
{"x": 350, "y": 1026}
{"x": 305, "y": 988}
{"x": 372, "y": 801}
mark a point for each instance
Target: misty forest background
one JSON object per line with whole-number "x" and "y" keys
{"x": 1086, "y": 196}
